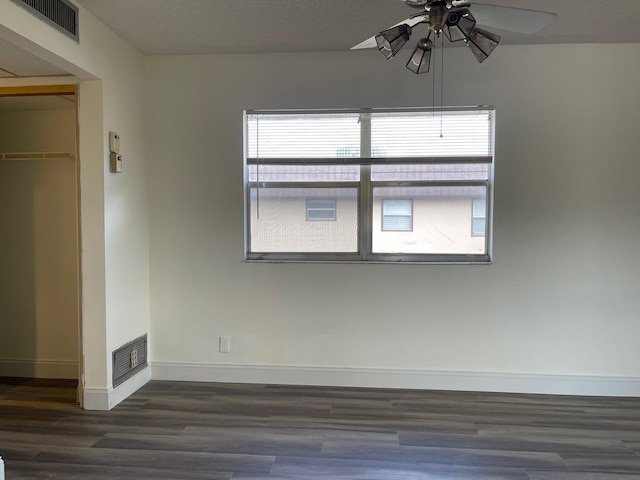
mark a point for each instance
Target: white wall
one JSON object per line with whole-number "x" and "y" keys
{"x": 114, "y": 208}
{"x": 560, "y": 301}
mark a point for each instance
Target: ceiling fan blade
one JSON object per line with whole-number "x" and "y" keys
{"x": 368, "y": 43}
{"x": 517, "y": 20}
{"x": 411, "y": 21}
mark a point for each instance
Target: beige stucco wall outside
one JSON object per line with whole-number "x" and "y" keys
{"x": 440, "y": 226}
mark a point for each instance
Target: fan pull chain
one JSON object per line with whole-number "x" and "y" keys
{"x": 441, "y": 82}
{"x": 433, "y": 84}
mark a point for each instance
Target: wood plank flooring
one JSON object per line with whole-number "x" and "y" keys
{"x": 193, "y": 431}
{"x": 41, "y": 390}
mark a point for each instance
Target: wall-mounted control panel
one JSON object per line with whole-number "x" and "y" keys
{"x": 116, "y": 162}
{"x": 114, "y": 155}
{"x": 114, "y": 142}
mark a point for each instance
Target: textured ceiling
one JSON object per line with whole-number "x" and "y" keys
{"x": 159, "y": 27}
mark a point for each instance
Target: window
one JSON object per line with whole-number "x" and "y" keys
{"x": 397, "y": 215}
{"x": 319, "y": 209}
{"x": 401, "y": 180}
{"x": 478, "y": 217}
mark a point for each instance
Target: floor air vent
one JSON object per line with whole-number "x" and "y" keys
{"x": 129, "y": 360}
{"x": 61, "y": 14}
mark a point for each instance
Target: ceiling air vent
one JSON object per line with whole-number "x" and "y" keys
{"x": 61, "y": 14}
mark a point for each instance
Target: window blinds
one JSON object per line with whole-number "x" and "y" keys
{"x": 391, "y": 134}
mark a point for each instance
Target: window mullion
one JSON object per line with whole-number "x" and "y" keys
{"x": 365, "y": 193}
{"x": 365, "y": 208}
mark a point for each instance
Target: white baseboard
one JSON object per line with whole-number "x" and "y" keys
{"x": 38, "y": 368}
{"x": 411, "y": 379}
{"x": 107, "y": 398}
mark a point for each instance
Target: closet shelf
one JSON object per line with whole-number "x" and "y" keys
{"x": 36, "y": 155}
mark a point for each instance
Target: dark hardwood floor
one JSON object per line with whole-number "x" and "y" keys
{"x": 41, "y": 390}
{"x": 171, "y": 430}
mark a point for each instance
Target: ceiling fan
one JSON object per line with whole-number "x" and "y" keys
{"x": 458, "y": 20}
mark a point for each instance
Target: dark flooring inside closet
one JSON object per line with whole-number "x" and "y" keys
{"x": 18, "y": 390}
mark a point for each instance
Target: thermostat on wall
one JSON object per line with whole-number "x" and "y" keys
{"x": 114, "y": 142}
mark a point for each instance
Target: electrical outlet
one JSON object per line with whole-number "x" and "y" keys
{"x": 133, "y": 359}
{"x": 225, "y": 344}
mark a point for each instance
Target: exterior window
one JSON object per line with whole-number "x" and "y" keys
{"x": 479, "y": 217}
{"x": 397, "y": 215}
{"x": 319, "y": 209}
{"x": 402, "y": 181}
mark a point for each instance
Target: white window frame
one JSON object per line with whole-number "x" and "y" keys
{"x": 365, "y": 187}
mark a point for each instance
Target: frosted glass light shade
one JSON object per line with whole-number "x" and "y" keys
{"x": 459, "y": 25}
{"x": 392, "y": 40}
{"x": 421, "y": 58}
{"x": 482, "y": 43}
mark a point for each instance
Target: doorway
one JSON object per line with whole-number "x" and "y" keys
{"x": 40, "y": 357}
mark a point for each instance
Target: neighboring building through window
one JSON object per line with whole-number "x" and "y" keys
{"x": 397, "y": 215}
{"x": 401, "y": 180}
{"x": 321, "y": 209}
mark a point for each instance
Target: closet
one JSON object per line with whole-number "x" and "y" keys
{"x": 39, "y": 247}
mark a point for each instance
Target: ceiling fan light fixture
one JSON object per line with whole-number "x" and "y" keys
{"x": 392, "y": 40}
{"x": 482, "y": 43}
{"x": 421, "y": 58}
{"x": 459, "y": 25}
